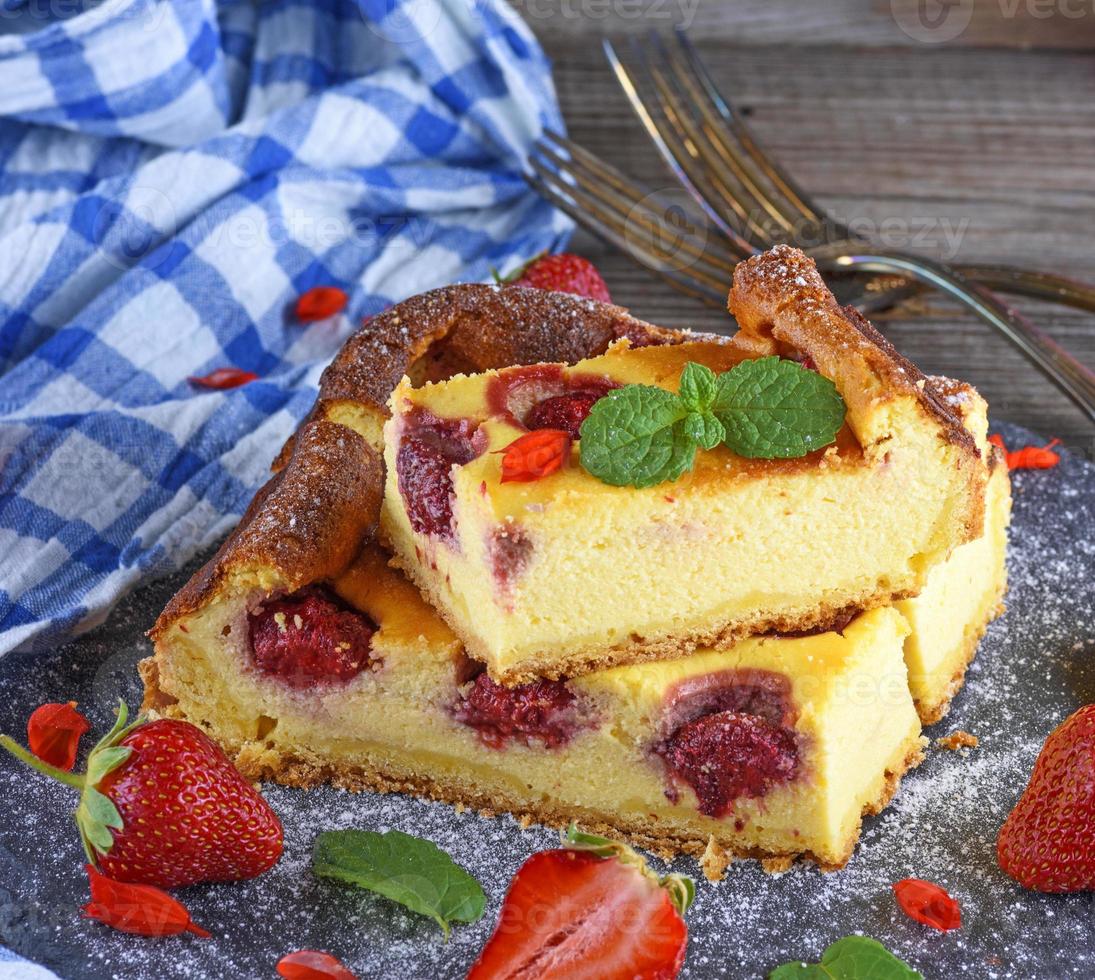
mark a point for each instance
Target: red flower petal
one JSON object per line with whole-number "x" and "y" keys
{"x": 1029, "y": 457}
{"x": 140, "y": 909}
{"x": 927, "y": 903}
{"x": 308, "y": 964}
{"x": 319, "y": 303}
{"x": 54, "y": 731}
{"x": 535, "y": 455}
{"x": 223, "y": 378}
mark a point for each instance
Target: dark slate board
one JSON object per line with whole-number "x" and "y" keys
{"x": 1035, "y": 667}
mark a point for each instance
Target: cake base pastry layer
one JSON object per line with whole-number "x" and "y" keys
{"x": 659, "y": 713}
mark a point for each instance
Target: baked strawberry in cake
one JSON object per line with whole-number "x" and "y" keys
{"x": 583, "y": 567}
{"x": 774, "y": 748}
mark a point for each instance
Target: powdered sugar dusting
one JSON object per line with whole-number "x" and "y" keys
{"x": 1036, "y": 666}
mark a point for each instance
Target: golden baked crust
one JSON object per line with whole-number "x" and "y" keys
{"x": 305, "y": 524}
{"x": 659, "y": 836}
{"x": 781, "y": 302}
{"x": 469, "y": 328}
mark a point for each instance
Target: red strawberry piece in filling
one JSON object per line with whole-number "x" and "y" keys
{"x": 746, "y": 690}
{"x": 310, "y": 636}
{"x": 545, "y": 711}
{"x": 428, "y": 450}
{"x": 543, "y": 397}
{"x": 727, "y": 755}
{"x": 566, "y": 412}
{"x": 510, "y": 550}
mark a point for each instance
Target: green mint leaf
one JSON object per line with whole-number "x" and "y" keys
{"x": 698, "y": 387}
{"x": 409, "y": 870}
{"x": 850, "y": 958}
{"x": 635, "y": 436}
{"x": 777, "y": 409}
{"x": 704, "y": 429}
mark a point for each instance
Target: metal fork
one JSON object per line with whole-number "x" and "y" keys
{"x": 754, "y": 203}
{"x": 638, "y": 221}
{"x": 607, "y": 202}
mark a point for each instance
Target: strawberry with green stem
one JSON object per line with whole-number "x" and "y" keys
{"x": 161, "y": 804}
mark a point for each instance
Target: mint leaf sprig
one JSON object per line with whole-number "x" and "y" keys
{"x": 850, "y": 958}
{"x": 409, "y": 870}
{"x": 768, "y": 408}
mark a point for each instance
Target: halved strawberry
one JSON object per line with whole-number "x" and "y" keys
{"x": 591, "y": 910}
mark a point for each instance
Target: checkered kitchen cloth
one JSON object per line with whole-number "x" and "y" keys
{"x": 173, "y": 174}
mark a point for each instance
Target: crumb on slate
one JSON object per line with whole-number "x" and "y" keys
{"x": 957, "y": 740}
{"x": 777, "y": 865}
{"x": 715, "y": 861}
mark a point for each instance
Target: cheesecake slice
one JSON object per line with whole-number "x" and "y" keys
{"x": 772, "y": 749}
{"x": 968, "y": 588}
{"x": 566, "y": 574}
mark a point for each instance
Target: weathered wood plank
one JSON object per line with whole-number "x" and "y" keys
{"x": 917, "y": 23}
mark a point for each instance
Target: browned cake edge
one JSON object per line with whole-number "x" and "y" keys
{"x": 305, "y": 524}
{"x": 258, "y": 762}
{"x": 779, "y": 299}
{"x": 782, "y": 305}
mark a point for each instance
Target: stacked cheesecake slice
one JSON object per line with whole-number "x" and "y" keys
{"x": 735, "y": 661}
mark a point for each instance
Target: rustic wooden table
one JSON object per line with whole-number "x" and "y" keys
{"x": 977, "y": 147}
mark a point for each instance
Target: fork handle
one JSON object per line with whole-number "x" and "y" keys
{"x": 1037, "y": 285}
{"x": 1072, "y": 377}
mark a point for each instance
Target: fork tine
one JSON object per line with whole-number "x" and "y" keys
{"x": 685, "y": 172}
{"x": 684, "y": 284}
{"x": 625, "y": 194}
{"x": 711, "y": 257}
{"x": 580, "y": 159}
{"x": 695, "y": 143}
{"x": 620, "y": 221}
{"x": 732, "y": 121}
{"x": 723, "y": 154}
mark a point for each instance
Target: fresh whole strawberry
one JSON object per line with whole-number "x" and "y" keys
{"x": 161, "y": 804}
{"x": 591, "y": 910}
{"x": 562, "y": 273}
{"x": 1047, "y": 842}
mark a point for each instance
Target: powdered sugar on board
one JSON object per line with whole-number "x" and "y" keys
{"x": 1036, "y": 665}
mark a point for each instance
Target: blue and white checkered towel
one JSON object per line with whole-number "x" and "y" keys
{"x": 173, "y": 174}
